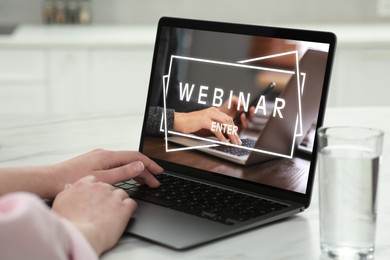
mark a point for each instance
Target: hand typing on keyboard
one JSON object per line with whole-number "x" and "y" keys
{"x": 86, "y": 180}
{"x": 108, "y": 166}
{"x": 207, "y": 121}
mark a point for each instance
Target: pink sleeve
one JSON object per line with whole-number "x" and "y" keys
{"x": 29, "y": 230}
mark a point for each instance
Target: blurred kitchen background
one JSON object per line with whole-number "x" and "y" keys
{"x": 91, "y": 56}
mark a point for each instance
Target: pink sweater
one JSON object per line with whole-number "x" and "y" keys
{"x": 30, "y": 230}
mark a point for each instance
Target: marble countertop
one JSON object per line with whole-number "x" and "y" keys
{"x": 95, "y": 35}
{"x": 44, "y": 139}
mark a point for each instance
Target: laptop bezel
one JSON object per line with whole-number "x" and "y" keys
{"x": 255, "y": 30}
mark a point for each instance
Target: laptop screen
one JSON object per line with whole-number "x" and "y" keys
{"x": 238, "y": 101}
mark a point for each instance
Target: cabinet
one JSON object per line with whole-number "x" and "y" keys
{"x": 67, "y": 69}
{"x": 23, "y": 81}
{"x": 75, "y": 69}
{"x": 74, "y": 80}
{"x": 99, "y": 80}
{"x": 361, "y": 77}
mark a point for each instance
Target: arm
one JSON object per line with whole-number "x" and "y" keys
{"x": 79, "y": 227}
{"x": 153, "y": 124}
{"x": 108, "y": 166}
{"x": 40, "y": 180}
{"x": 198, "y": 121}
{"x": 29, "y": 230}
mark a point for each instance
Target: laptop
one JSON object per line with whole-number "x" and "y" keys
{"x": 199, "y": 65}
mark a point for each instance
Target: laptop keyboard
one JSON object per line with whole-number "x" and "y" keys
{"x": 235, "y": 150}
{"x": 206, "y": 201}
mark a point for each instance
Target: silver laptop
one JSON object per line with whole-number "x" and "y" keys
{"x": 202, "y": 64}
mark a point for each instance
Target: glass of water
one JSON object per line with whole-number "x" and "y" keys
{"x": 348, "y": 178}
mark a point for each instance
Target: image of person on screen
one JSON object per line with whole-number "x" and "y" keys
{"x": 202, "y": 122}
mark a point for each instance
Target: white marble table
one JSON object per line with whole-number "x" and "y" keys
{"x": 42, "y": 139}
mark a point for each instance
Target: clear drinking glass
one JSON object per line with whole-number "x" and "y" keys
{"x": 348, "y": 179}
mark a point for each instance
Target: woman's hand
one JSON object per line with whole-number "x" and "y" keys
{"x": 201, "y": 121}
{"x": 107, "y": 166}
{"x": 97, "y": 209}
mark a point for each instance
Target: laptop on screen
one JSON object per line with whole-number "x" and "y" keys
{"x": 254, "y": 150}
{"x": 203, "y": 75}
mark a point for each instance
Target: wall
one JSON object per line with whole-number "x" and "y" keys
{"x": 357, "y": 64}
{"x": 247, "y": 11}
